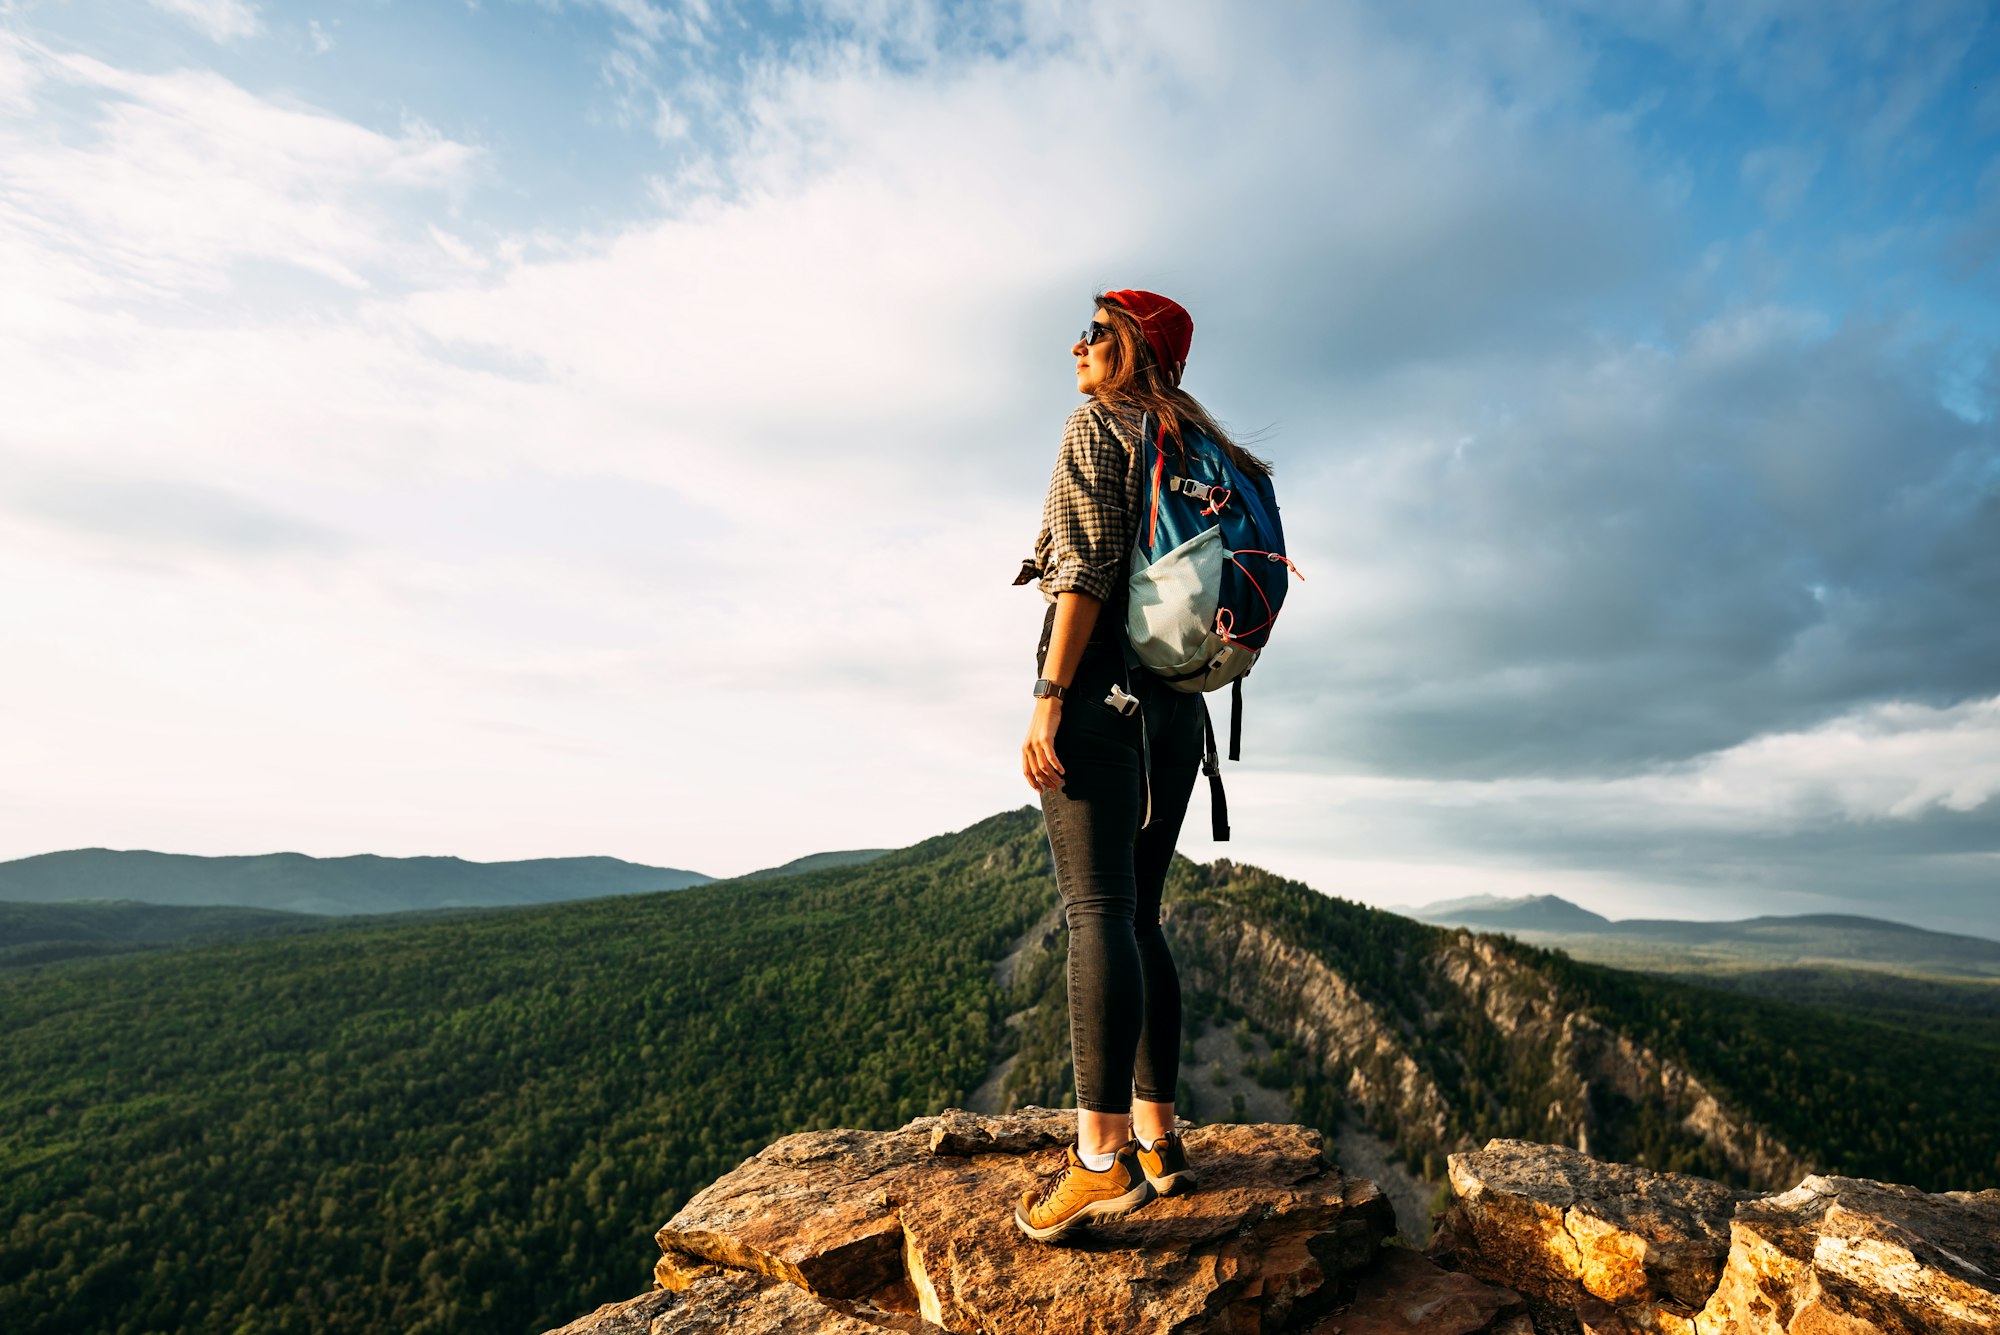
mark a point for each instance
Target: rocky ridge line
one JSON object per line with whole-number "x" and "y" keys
{"x": 1290, "y": 992}
{"x": 854, "y": 1231}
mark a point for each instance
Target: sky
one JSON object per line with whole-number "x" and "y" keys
{"x": 525, "y": 429}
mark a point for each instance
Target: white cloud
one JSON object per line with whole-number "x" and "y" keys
{"x": 1869, "y": 812}
{"x": 1892, "y": 761}
{"x": 222, "y": 20}
{"x": 179, "y": 178}
{"x": 18, "y": 76}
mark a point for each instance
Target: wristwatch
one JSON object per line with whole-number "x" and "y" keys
{"x": 1044, "y": 688}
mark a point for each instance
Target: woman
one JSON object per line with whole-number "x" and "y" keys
{"x": 1114, "y": 785}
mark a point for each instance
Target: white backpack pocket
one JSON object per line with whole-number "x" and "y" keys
{"x": 1170, "y": 618}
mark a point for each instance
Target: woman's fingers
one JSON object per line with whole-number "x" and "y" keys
{"x": 1039, "y": 764}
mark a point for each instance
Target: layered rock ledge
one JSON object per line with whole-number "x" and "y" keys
{"x": 856, "y": 1231}
{"x": 1610, "y": 1249}
{"x": 912, "y": 1230}
{"x": 917, "y": 1222}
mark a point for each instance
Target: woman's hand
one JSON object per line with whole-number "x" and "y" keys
{"x": 1038, "y": 753}
{"x": 1076, "y": 613}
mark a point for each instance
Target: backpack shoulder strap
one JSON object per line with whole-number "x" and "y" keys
{"x": 1218, "y": 805}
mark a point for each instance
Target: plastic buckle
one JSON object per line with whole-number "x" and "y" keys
{"x": 1120, "y": 701}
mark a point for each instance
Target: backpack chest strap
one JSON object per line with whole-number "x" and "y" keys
{"x": 1215, "y": 497}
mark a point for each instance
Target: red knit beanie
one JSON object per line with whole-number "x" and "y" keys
{"x": 1168, "y": 328}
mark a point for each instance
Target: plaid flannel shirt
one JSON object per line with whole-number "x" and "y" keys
{"x": 1090, "y": 517}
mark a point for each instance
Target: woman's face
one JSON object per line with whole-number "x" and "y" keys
{"x": 1093, "y": 360}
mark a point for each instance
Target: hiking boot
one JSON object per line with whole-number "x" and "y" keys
{"x": 1073, "y": 1195}
{"x": 1166, "y": 1165}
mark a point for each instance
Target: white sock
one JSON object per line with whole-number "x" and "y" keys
{"x": 1097, "y": 1163}
{"x": 1146, "y": 1144}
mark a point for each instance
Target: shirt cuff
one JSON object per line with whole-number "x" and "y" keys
{"x": 1074, "y": 574}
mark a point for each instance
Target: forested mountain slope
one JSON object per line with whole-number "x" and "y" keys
{"x": 845, "y": 857}
{"x": 42, "y": 933}
{"x": 475, "y": 1124}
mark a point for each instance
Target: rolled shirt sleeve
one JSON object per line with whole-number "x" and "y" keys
{"x": 1091, "y": 511}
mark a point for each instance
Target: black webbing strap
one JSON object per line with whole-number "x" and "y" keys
{"x": 1218, "y": 805}
{"x": 1236, "y": 719}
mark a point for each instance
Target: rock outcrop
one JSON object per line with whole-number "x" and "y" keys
{"x": 1843, "y": 1254}
{"x": 855, "y": 1231}
{"x": 915, "y": 1223}
{"x": 739, "y": 1302}
{"x": 1563, "y": 1228}
{"x": 1611, "y": 1249}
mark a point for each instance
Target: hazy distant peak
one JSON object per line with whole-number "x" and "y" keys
{"x": 1546, "y": 913}
{"x": 300, "y": 883}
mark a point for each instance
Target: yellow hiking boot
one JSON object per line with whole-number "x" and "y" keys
{"x": 1166, "y": 1165}
{"x": 1073, "y": 1195}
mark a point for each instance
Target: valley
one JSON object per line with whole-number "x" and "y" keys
{"x": 473, "y": 1121}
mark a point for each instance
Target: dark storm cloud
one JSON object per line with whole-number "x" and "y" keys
{"x": 1653, "y": 555}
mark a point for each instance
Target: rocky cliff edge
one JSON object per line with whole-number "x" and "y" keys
{"x": 857, "y": 1231}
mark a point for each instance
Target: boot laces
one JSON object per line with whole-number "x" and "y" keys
{"x": 1052, "y": 1181}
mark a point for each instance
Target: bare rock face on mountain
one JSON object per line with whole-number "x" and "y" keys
{"x": 1306, "y": 1002}
{"x": 916, "y": 1224}
{"x": 1847, "y": 1255}
{"x": 1588, "y": 1056}
{"x": 1375, "y": 1047}
{"x": 1607, "y": 1249}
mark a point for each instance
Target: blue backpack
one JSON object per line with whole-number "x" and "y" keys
{"x": 1209, "y": 575}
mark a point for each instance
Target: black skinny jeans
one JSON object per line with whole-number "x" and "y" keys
{"x": 1124, "y": 995}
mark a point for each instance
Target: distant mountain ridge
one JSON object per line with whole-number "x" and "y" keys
{"x": 298, "y": 883}
{"x": 1818, "y": 938}
{"x": 848, "y": 857}
{"x": 1550, "y": 913}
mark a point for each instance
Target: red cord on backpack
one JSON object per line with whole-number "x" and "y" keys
{"x": 1159, "y": 468}
{"x": 1275, "y": 556}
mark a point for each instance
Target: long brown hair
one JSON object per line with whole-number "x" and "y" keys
{"x": 1139, "y": 384}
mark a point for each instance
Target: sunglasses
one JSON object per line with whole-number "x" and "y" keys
{"x": 1093, "y": 332}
